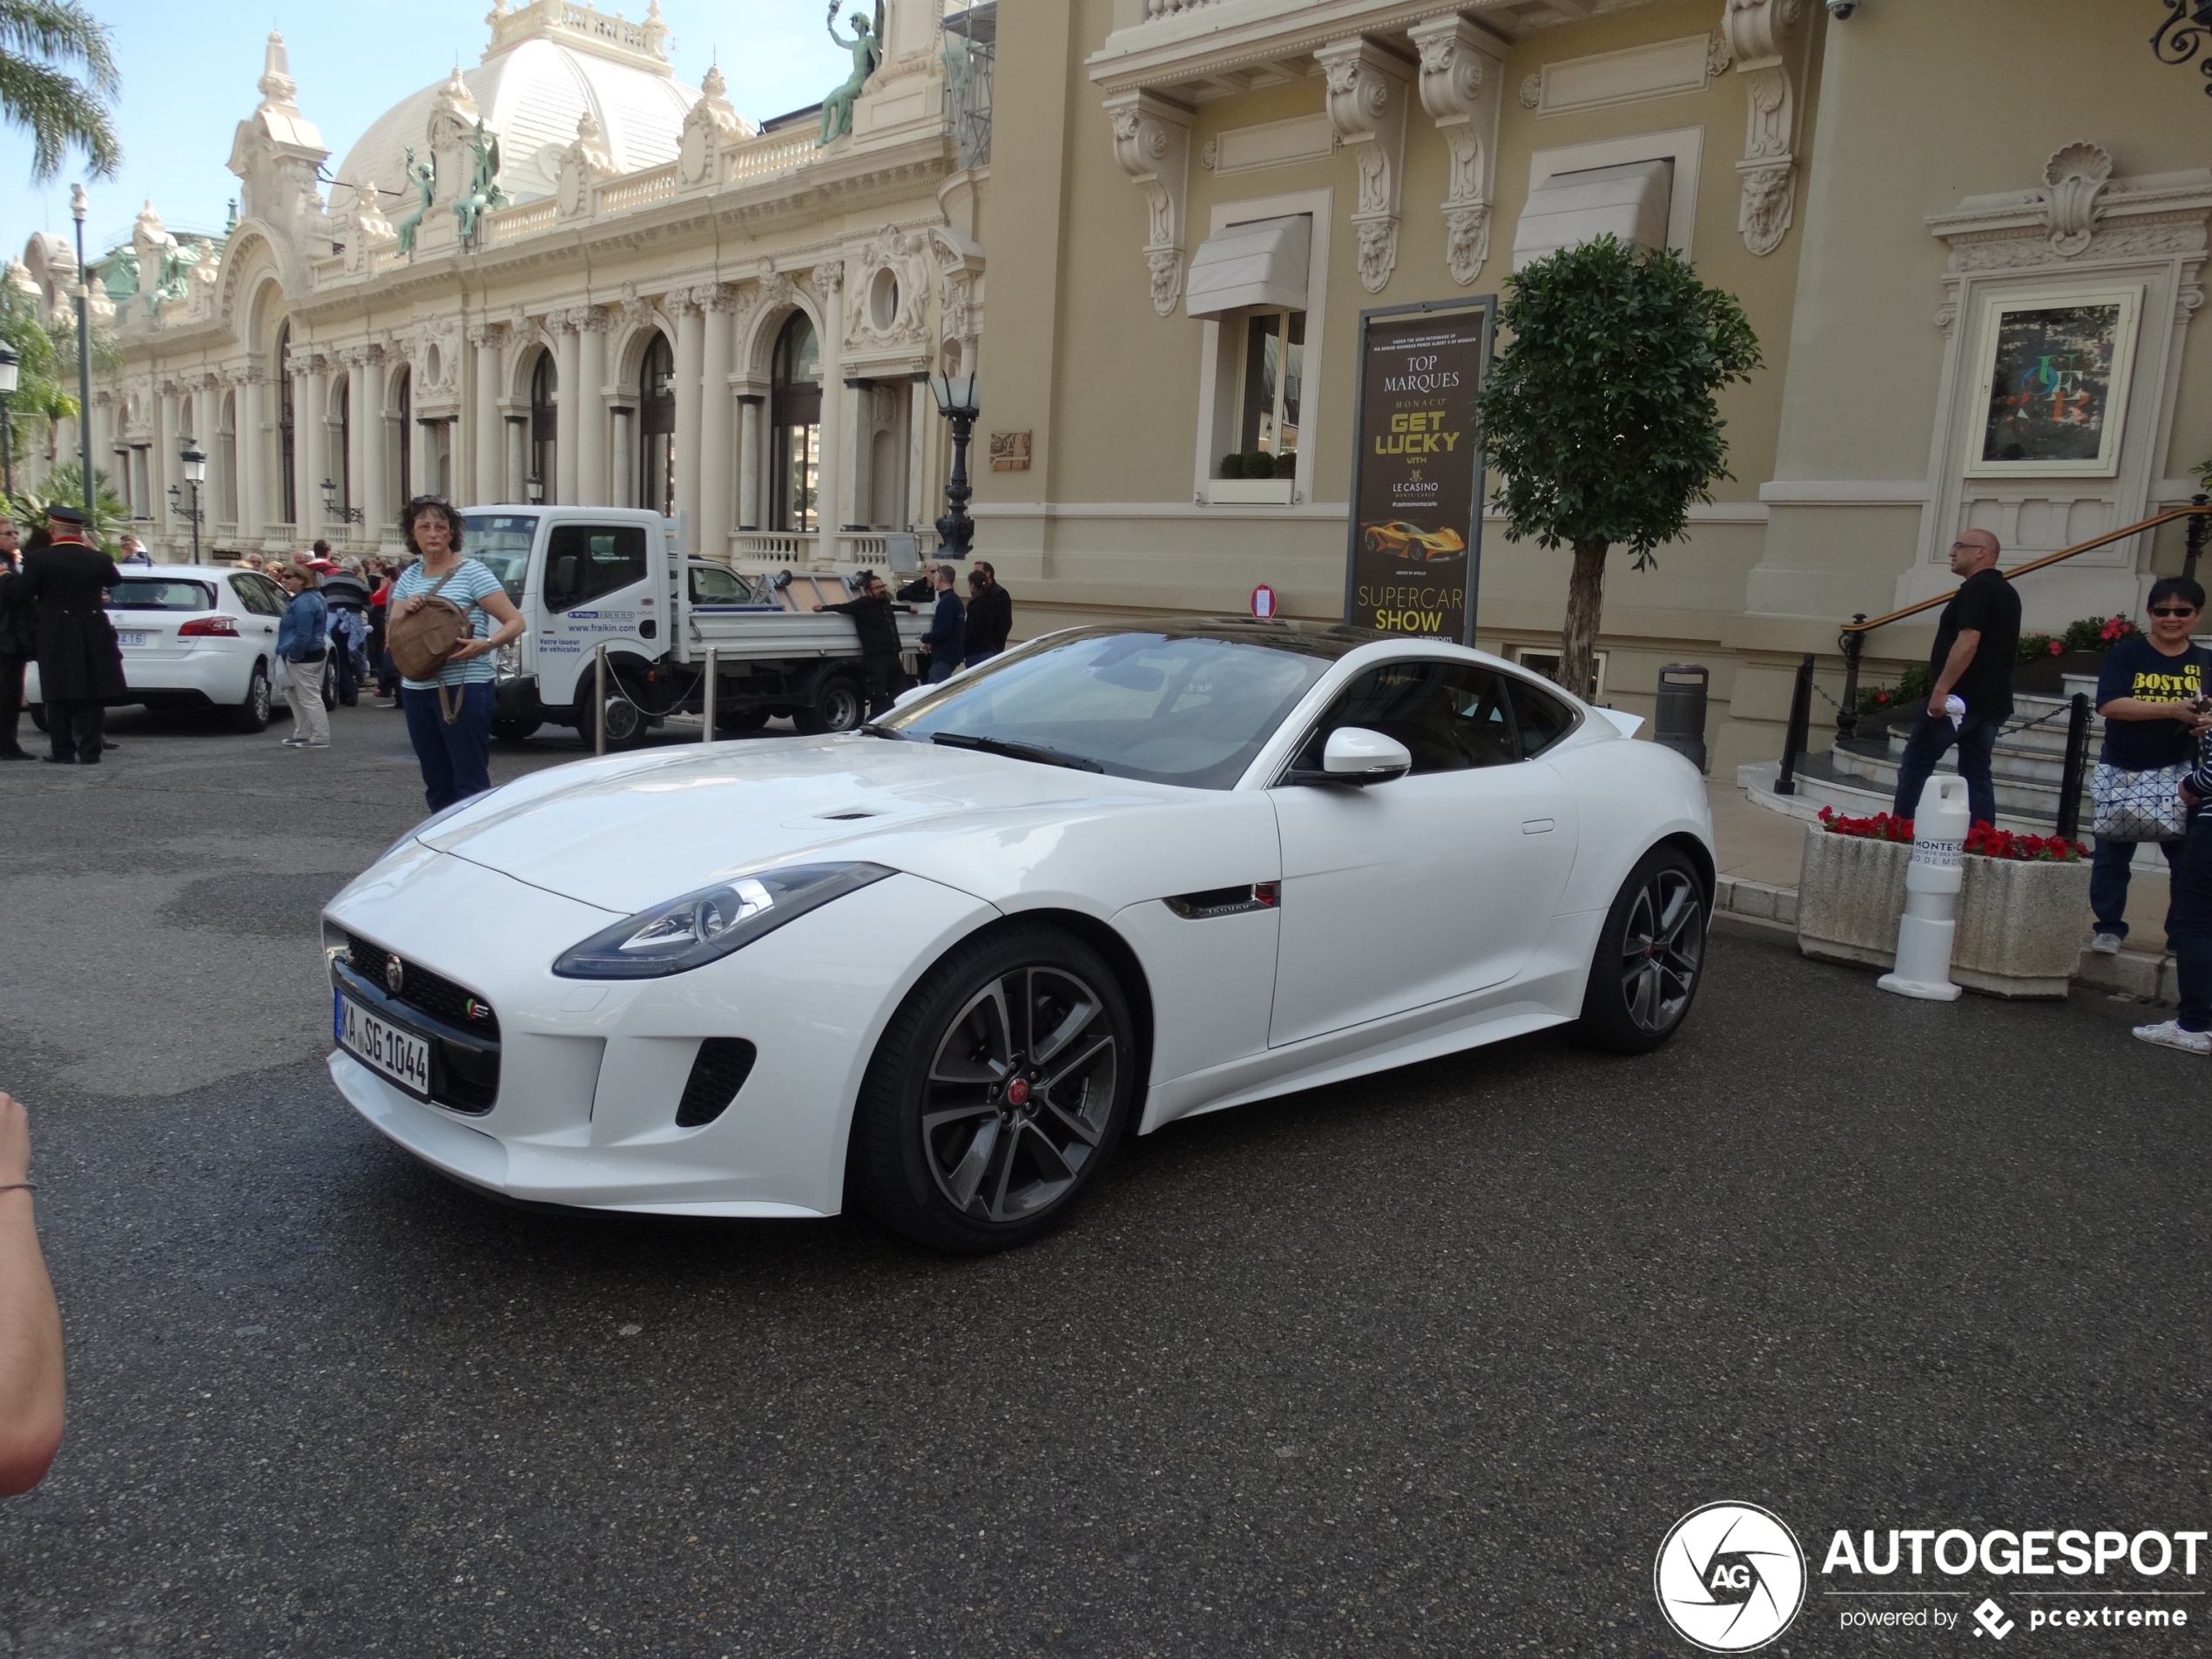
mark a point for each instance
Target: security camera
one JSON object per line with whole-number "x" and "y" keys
{"x": 1840, "y": 10}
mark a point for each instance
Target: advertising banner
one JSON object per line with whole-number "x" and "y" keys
{"x": 1415, "y": 555}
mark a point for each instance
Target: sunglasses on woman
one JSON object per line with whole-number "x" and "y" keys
{"x": 2172, "y": 611}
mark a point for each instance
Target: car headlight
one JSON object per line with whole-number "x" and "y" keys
{"x": 507, "y": 661}
{"x": 706, "y": 926}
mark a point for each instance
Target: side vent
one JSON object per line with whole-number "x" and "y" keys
{"x": 723, "y": 1065}
{"x": 1226, "y": 901}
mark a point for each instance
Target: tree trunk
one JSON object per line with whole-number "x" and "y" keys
{"x": 1585, "y": 603}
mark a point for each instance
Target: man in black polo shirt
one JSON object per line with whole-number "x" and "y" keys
{"x": 1976, "y": 643}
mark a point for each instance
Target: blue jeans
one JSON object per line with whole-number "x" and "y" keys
{"x": 2189, "y": 924}
{"x": 2108, "y": 880}
{"x": 1924, "y": 747}
{"x": 456, "y": 758}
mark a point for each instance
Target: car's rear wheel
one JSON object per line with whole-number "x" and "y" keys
{"x": 252, "y": 713}
{"x": 1651, "y": 956}
{"x": 997, "y": 1094}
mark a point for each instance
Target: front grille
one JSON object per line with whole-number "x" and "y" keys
{"x": 433, "y": 994}
{"x": 719, "y": 1071}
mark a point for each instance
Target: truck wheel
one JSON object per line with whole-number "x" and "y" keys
{"x": 736, "y": 722}
{"x": 838, "y": 706}
{"x": 626, "y": 720}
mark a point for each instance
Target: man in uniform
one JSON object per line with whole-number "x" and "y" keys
{"x": 18, "y": 642}
{"x": 80, "y": 666}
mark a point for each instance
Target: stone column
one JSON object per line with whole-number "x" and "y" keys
{"x": 831, "y": 490}
{"x": 206, "y": 413}
{"x": 514, "y": 487}
{"x": 373, "y": 428}
{"x": 591, "y": 409}
{"x": 853, "y": 407}
{"x": 420, "y": 448}
{"x": 252, "y": 440}
{"x": 567, "y": 394}
{"x": 716, "y": 496}
{"x": 749, "y": 460}
{"x": 690, "y": 360}
{"x": 313, "y": 424}
{"x": 489, "y": 483}
{"x": 166, "y": 444}
{"x": 921, "y": 409}
{"x": 623, "y": 419}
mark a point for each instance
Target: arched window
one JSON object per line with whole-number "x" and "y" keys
{"x": 285, "y": 434}
{"x": 403, "y": 396}
{"x": 545, "y": 424}
{"x": 795, "y": 414}
{"x": 657, "y": 427}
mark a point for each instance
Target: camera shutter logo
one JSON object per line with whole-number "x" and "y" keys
{"x": 1729, "y": 1577}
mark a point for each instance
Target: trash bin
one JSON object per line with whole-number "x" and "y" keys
{"x": 1679, "y": 722}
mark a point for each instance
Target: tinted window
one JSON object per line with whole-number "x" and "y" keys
{"x": 1164, "y": 708}
{"x": 584, "y": 561}
{"x": 1450, "y": 716}
{"x": 146, "y": 593}
{"x": 1542, "y": 718}
{"x": 503, "y": 542}
{"x": 258, "y": 595}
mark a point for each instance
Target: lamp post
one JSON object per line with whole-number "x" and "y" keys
{"x": 78, "y": 206}
{"x": 195, "y": 465}
{"x": 955, "y": 396}
{"x": 331, "y": 510}
{"x": 9, "y": 370}
{"x": 534, "y": 487}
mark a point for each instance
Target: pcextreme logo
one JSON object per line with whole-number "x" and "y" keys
{"x": 1729, "y": 1577}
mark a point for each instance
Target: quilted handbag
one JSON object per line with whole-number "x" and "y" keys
{"x": 2141, "y": 806}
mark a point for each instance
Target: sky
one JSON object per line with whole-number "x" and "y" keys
{"x": 189, "y": 73}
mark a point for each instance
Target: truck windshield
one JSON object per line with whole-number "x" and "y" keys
{"x": 503, "y": 542}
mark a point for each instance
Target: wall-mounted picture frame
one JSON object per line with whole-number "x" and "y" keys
{"x": 1010, "y": 451}
{"x": 2052, "y": 370}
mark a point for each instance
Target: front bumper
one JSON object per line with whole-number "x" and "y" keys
{"x": 591, "y": 1074}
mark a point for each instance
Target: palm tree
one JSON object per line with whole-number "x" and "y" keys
{"x": 57, "y": 75}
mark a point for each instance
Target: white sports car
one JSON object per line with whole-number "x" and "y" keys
{"x": 937, "y": 966}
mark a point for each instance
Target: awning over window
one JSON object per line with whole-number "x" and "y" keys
{"x": 1570, "y": 208}
{"x": 1262, "y": 263}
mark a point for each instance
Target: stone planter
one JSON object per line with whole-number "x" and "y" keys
{"x": 2020, "y": 923}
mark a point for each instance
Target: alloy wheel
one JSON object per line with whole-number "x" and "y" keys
{"x": 1662, "y": 949}
{"x": 1019, "y": 1093}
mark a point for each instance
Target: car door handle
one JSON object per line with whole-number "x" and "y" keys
{"x": 1538, "y": 825}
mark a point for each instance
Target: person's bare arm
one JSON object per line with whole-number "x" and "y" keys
{"x": 510, "y": 627}
{"x": 2136, "y": 708}
{"x": 1955, "y": 666}
{"x": 31, "y": 1324}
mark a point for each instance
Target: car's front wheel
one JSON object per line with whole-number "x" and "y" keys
{"x": 1651, "y": 956}
{"x": 997, "y": 1094}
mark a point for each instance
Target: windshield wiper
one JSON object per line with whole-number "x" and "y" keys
{"x": 1015, "y": 750}
{"x": 873, "y": 729}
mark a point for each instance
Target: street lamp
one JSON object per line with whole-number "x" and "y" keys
{"x": 534, "y": 486}
{"x": 79, "y": 205}
{"x": 9, "y": 370}
{"x": 331, "y": 510}
{"x": 955, "y": 396}
{"x": 195, "y": 465}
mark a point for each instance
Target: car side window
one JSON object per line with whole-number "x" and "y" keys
{"x": 715, "y": 587}
{"x": 254, "y": 593}
{"x": 1540, "y": 718}
{"x": 584, "y": 561}
{"x": 1450, "y": 716}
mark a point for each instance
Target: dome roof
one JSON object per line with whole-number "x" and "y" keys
{"x": 545, "y": 69}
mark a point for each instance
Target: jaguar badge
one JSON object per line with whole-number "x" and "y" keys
{"x": 394, "y": 974}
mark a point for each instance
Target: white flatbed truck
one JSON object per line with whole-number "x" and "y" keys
{"x": 585, "y": 577}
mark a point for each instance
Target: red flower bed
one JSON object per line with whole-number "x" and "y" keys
{"x": 1983, "y": 840}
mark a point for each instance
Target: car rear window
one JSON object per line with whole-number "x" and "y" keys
{"x": 150, "y": 593}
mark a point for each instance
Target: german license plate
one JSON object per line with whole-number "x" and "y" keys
{"x": 392, "y": 1050}
{"x": 122, "y": 638}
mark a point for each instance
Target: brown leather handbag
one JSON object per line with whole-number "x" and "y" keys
{"x": 422, "y": 641}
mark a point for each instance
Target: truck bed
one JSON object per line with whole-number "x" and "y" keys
{"x": 738, "y": 633}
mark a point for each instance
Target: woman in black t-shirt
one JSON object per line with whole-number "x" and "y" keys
{"x": 2148, "y": 692}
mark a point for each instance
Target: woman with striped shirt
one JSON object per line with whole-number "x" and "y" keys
{"x": 448, "y": 719}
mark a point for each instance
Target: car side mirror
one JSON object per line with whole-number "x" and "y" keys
{"x": 1355, "y": 755}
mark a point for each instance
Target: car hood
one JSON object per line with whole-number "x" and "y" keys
{"x": 629, "y": 833}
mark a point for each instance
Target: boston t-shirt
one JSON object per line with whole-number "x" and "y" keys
{"x": 2137, "y": 668}
{"x": 1988, "y": 602}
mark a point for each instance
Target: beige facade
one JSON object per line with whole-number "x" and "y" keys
{"x": 1867, "y": 188}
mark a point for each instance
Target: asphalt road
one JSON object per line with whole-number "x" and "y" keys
{"x": 1426, "y": 1364}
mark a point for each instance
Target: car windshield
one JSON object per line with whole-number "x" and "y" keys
{"x": 1167, "y": 708}
{"x": 139, "y": 593}
{"x": 503, "y": 542}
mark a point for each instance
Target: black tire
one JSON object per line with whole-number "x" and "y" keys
{"x": 738, "y": 723}
{"x": 626, "y": 723}
{"x": 38, "y": 712}
{"x": 252, "y": 714}
{"x": 514, "y": 730}
{"x": 1651, "y": 956}
{"x": 956, "y": 1099}
{"x": 838, "y": 706}
{"x": 329, "y": 680}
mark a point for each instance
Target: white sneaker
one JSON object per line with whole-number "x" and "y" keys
{"x": 2169, "y": 1034}
{"x": 311, "y": 744}
{"x": 294, "y": 742}
{"x": 2106, "y": 944}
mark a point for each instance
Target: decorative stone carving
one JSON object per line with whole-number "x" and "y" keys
{"x": 2073, "y": 178}
{"x": 953, "y": 308}
{"x": 583, "y": 163}
{"x": 1152, "y": 145}
{"x": 708, "y": 125}
{"x": 1367, "y": 95}
{"x": 1531, "y": 91}
{"x": 829, "y": 277}
{"x": 1717, "y": 56}
{"x": 892, "y": 312}
{"x": 778, "y": 291}
{"x": 1753, "y": 32}
{"x": 632, "y": 307}
{"x": 1462, "y": 79}
{"x": 363, "y": 229}
{"x": 1206, "y": 156}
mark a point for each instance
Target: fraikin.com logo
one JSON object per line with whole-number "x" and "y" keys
{"x": 1729, "y": 1577}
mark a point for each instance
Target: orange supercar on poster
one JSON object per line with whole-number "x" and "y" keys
{"x": 1398, "y": 537}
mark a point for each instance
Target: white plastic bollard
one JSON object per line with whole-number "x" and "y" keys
{"x": 1932, "y": 884}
